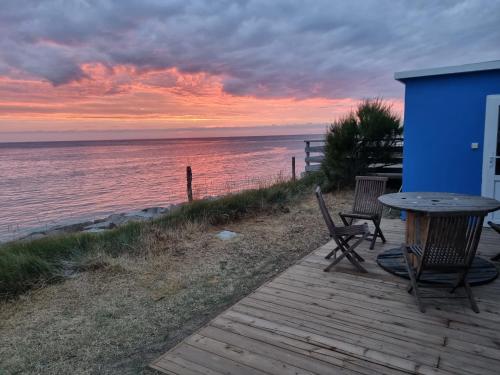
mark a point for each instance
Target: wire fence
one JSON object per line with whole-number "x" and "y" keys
{"x": 207, "y": 188}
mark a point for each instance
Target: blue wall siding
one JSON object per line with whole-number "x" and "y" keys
{"x": 443, "y": 116}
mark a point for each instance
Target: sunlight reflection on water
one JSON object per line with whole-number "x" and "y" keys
{"x": 46, "y": 184}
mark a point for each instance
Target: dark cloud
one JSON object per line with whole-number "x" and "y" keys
{"x": 259, "y": 47}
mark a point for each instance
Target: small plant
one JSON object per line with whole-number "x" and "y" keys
{"x": 360, "y": 139}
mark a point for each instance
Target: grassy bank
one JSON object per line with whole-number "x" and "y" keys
{"x": 123, "y": 306}
{"x": 26, "y": 265}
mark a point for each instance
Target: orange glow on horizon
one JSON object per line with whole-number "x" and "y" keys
{"x": 122, "y": 97}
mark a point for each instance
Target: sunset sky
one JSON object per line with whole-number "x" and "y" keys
{"x": 151, "y": 68}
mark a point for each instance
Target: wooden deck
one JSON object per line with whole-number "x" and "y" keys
{"x": 306, "y": 321}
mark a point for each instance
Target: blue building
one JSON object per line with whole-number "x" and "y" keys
{"x": 451, "y": 129}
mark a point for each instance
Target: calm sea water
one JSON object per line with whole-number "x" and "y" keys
{"x": 51, "y": 183}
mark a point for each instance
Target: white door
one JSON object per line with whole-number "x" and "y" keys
{"x": 491, "y": 154}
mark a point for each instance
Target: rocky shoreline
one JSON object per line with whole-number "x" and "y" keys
{"x": 101, "y": 225}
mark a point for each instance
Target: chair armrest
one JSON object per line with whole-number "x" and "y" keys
{"x": 352, "y": 215}
{"x": 352, "y": 230}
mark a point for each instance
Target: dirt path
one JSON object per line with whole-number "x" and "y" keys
{"x": 123, "y": 312}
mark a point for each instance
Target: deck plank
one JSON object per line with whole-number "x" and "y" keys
{"x": 306, "y": 321}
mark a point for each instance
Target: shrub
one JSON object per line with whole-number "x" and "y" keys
{"x": 354, "y": 142}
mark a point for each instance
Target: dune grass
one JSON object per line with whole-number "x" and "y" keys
{"x": 29, "y": 264}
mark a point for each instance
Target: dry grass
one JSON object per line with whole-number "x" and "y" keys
{"x": 115, "y": 315}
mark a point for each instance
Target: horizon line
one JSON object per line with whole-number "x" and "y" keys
{"x": 162, "y": 139}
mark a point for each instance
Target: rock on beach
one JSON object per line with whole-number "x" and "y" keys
{"x": 101, "y": 225}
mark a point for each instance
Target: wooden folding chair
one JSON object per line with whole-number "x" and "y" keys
{"x": 342, "y": 236}
{"x": 496, "y": 228}
{"x": 366, "y": 204}
{"x": 449, "y": 246}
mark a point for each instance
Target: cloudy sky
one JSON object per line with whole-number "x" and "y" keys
{"x": 125, "y": 68}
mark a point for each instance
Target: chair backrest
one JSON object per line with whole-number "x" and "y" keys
{"x": 324, "y": 211}
{"x": 452, "y": 240}
{"x": 366, "y": 193}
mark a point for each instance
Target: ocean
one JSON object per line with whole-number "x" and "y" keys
{"x": 45, "y": 184}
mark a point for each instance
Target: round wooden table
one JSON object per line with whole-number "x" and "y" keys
{"x": 425, "y": 202}
{"x": 419, "y": 204}
{"x": 418, "y": 207}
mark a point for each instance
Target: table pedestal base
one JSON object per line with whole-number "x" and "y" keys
{"x": 482, "y": 271}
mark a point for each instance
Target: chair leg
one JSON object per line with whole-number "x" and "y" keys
{"x": 351, "y": 258}
{"x": 374, "y": 238}
{"x": 329, "y": 255}
{"x": 381, "y": 235}
{"x": 472, "y": 301}
{"x": 349, "y": 253}
{"x": 356, "y": 264}
{"x": 345, "y": 243}
{"x": 377, "y": 233}
{"x": 460, "y": 282}
{"x": 413, "y": 280}
{"x": 358, "y": 257}
{"x": 336, "y": 261}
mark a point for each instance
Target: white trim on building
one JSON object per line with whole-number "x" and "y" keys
{"x": 467, "y": 68}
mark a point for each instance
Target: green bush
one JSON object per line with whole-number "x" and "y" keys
{"x": 358, "y": 140}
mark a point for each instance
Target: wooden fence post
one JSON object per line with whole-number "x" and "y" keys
{"x": 293, "y": 169}
{"x": 307, "y": 153}
{"x": 189, "y": 178}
